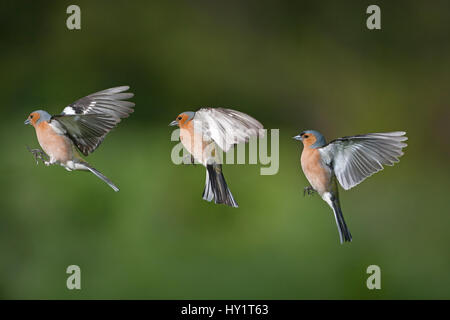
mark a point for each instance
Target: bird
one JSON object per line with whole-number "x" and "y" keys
{"x": 201, "y": 132}
{"x": 81, "y": 127}
{"x": 347, "y": 160}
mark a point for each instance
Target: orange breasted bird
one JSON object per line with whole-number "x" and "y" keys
{"x": 347, "y": 160}
{"x": 201, "y": 132}
{"x": 81, "y": 126}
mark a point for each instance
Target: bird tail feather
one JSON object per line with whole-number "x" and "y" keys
{"x": 216, "y": 187}
{"x": 100, "y": 175}
{"x": 344, "y": 233}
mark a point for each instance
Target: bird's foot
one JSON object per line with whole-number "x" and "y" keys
{"x": 308, "y": 190}
{"x": 38, "y": 154}
{"x": 189, "y": 159}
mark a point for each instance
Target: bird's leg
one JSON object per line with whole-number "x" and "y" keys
{"x": 38, "y": 154}
{"x": 308, "y": 190}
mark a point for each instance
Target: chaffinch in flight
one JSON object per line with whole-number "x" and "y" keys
{"x": 83, "y": 124}
{"x": 204, "y": 130}
{"x": 348, "y": 160}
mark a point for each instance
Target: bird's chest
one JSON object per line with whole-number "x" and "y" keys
{"x": 194, "y": 143}
{"x": 57, "y": 146}
{"x": 317, "y": 173}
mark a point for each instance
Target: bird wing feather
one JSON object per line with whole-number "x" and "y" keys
{"x": 356, "y": 158}
{"x": 226, "y": 127}
{"x": 88, "y": 120}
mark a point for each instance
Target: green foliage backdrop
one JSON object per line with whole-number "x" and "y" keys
{"x": 308, "y": 65}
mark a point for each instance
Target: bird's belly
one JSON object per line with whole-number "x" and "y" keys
{"x": 58, "y": 147}
{"x": 320, "y": 181}
{"x": 201, "y": 150}
{"x": 317, "y": 174}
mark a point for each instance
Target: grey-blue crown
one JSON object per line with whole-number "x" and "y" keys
{"x": 320, "y": 139}
{"x": 190, "y": 114}
{"x": 44, "y": 115}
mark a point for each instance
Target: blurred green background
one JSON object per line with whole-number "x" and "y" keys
{"x": 293, "y": 66}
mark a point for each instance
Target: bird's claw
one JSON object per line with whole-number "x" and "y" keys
{"x": 38, "y": 154}
{"x": 308, "y": 190}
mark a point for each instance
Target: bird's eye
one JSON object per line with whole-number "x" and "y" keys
{"x": 305, "y": 136}
{"x": 31, "y": 116}
{"x": 179, "y": 118}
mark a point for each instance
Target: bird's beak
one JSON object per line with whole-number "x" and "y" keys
{"x": 27, "y": 121}
{"x": 299, "y": 137}
{"x": 173, "y": 123}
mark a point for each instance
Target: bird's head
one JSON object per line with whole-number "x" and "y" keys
{"x": 183, "y": 119}
{"x": 37, "y": 116}
{"x": 311, "y": 138}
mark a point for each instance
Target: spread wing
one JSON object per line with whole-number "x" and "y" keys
{"x": 225, "y": 126}
{"x": 355, "y": 158}
{"x": 88, "y": 120}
